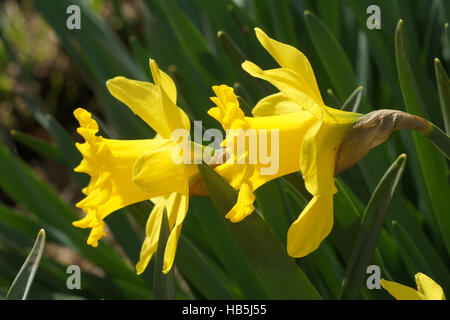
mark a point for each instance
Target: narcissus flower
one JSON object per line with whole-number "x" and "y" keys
{"x": 309, "y": 136}
{"x": 427, "y": 289}
{"x": 124, "y": 172}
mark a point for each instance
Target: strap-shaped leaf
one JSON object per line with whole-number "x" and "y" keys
{"x": 38, "y": 145}
{"x": 278, "y": 273}
{"x": 163, "y": 284}
{"x": 434, "y": 165}
{"x": 369, "y": 231}
{"x": 444, "y": 93}
{"x": 201, "y": 271}
{"x": 22, "y": 283}
{"x": 333, "y": 57}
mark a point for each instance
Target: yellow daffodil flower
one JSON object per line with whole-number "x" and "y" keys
{"x": 309, "y": 136}
{"x": 124, "y": 172}
{"x": 427, "y": 289}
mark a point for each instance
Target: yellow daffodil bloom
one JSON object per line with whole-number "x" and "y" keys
{"x": 124, "y": 172}
{"x": 309, "y": 136}
{"x": 427, "y": 289}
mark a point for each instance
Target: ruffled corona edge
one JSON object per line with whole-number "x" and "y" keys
{"x": 97, "y": 190}
{"x": 109, "y": 163}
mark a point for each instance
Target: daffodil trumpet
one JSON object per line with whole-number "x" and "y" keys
{"x": 124, "y": 172}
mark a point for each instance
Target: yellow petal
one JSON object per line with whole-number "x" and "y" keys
{"x": 427, "y": 287}
{"x": 164, "y": 80}
{"x": 401, "y": 292}
{"x": 311, "y": 227}
{"x": 244, "y": 204}
{"x": 176, "y": 206}
{"x": 290, "y": 58}
{"x": 289, "y": 83}
{"x": 275, "y": 104}
{"x": 317, "y": 160}
{"x": 152, "y": 231}
{"x": 151, "y": 103}
{"x": 156, "y": 173}
{"x": 177, "y": 209}
{"x": 318, "y": 154}
{"x": 340, "y": 117}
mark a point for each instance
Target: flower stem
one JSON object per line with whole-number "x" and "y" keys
{"x": 438, "y": 137}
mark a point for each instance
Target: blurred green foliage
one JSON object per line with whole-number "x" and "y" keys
{"x": 46, "y": 71}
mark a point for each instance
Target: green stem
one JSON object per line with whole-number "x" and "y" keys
{"x": 438, "y": 137}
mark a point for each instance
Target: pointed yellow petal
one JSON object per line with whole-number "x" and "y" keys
{"x": 164, "y": 80}
{"x": 290, "y": 58}
{"x": 275, "y": 104}
{"x": 289, "y": 83}
{"x": 311, "y": 227}
{"x": 430, "y": 289}
{"x": 171, "y": 248}
{"x": 317, "y": 159}
{"x": 177, "y": 212}
{"x": 401, "y": 292}
{"x": 318, "y": 154}
{"x": 177, "y": 206}
{"x": 151, "y": 103}
{"x": 152, "y": 231}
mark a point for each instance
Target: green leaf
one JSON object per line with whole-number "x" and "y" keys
{"x": 22, "y": 283}
{"x": 434, "y": 165}
{"x": 200, "y": 271}
{"x": 415, "y": 259}
{"x": 227, "y": 250}
{"x": 444, "y": 93}
{"x": 333, "y": 58}
{"x": 191, "y": 41}
{"x": 347, "y": 215}
{"x": 278, "y": 272}
{"x": 369, "y": 231}
{"x": 69, "y": 154}
{"x": 163, "y": 284}
{"x": 283, "y": 23}
{"x": 38, "y": 145}
{"x": 331, "y": 14}
{"x": 329, "y": 266}
{"x": 231, "y": 48}
{"x": 381, "y": 44}
{"x": 90, "y": 48}
{"x": 296, "y": 181}
{"x": 270, "y": 203}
